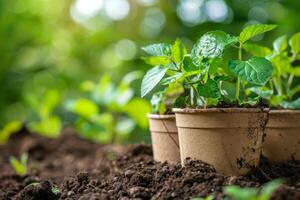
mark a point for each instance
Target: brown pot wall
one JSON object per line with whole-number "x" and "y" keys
{"x": 282, "y": 140}
{"x": 230, "y": 139}
{"x": 164, "y": 136}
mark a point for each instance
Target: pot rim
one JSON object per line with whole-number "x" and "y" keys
{"x": 284, "y": 111}
{"x": 158, "y": 116}
{"x": 218, "y": 110}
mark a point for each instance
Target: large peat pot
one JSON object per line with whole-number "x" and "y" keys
{"x": 282, "y": 140}
{"x": 164, "y": 136}
{"x": 228, "y": 138}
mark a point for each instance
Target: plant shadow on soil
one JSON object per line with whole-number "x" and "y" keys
{"x": 72, "y": 168}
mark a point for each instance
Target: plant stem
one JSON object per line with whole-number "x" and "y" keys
{"x": 238, "y": 82}
{"x": 192, "y": 96}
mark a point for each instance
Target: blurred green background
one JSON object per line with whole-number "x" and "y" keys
{"x": 66, "y": 62}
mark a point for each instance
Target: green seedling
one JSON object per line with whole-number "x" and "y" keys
{"x": 45, "y": 122}
{"x": 20, "y": 166}
{"x": 282, "y": 90}
{"x": 205, "y": 76}
{"x": 8, "y": 130}
{"x": 109, "y": 112}
{"x": 265, "y": 193}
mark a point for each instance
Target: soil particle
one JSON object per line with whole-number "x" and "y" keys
{"x": 37, "y": 191}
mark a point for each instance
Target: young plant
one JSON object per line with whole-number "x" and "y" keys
{"x": 282, "y": 90}
{"x": 44, "y": 121}
{"x": 205, "y": 76}
{"x": 265, "y": 193}
{"x": 166, "y": 59}
{"x": 109, "y": 113}
{"x": 9, "y": 128}
{"x": 20, "y": 166}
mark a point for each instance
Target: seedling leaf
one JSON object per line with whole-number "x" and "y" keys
{"x": 212, "y": 44}
{"x": 280, "y": 44}
{"x": 152, "y": 78}
{"x": 20, "y": 166}
{"x": 256, "y": 70}
{"x": 295, "y": 43}
{"x": 178, "y": 51}
{"x": 161, "y": 49}
{"x": 254, "y": 30}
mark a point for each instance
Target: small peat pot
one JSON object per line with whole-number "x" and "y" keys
{"x": 230, "y": 139}
{"x": 164, "y": 136}
{"x": 282, "y": 140}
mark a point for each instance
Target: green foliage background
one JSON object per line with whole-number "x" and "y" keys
{"x": 46, "y": 55}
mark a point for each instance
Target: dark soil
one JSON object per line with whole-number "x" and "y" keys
{"x": 75, "y": 169}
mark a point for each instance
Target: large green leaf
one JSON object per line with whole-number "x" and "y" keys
{"x": 178, "y": 51}
{"x": 152, "y": 78}
{"x": 212, "y": 44}
{"x": 209, "y": 90}
{"x": 257, "y": 50}
{"x": 254, "y": 30}
{"x": 256, "y": 70}
{"x": 295, "y": 43}
{"x": 160, "y": 49}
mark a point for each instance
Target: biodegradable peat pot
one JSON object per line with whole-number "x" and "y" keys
{"x": 228, "y": 138}
{"x": 164, "y": 136}
{"x": 282, "y": 140}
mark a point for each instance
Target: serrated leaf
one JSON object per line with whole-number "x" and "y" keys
{"x": 152, "y": 78}
{"x": 254, "y": 30}
{"x": 212, "y": 44}
{"x": 256, "y": 70}
{"x": 257, "y": 50}
{"x": 178, "y": 51}
{"x": 295, "y": 43}
{"x": 159, "y": 60}
{"x": 188, "y": 64}
{"x": 161, "y": 49}
{"x": 209, "y": 90}
{"x": 280, "y": 44}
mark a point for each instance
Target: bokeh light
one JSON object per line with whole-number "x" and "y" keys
{"x": 116, "y": 9}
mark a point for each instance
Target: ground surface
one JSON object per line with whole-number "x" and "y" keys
{"x": 72, "y": 168}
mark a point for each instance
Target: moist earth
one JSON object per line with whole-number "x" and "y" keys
{"x": 75, "y": 169}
